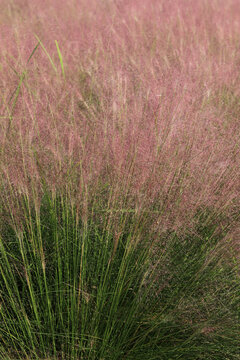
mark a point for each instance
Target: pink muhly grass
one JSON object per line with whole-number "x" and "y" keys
{"x": 119, "y": 129}
{"x": 139, "y": 110}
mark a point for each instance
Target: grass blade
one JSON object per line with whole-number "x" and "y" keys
{"x": 60, "y": 59}
{"x": 33, "y": 52}
{"x": 45, "y": 50}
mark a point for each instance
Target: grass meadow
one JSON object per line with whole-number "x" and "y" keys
{"x": 119, "y": 180}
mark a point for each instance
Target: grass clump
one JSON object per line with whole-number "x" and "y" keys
{"x": 73, "y": 290}
{"x": 68, "y": 285}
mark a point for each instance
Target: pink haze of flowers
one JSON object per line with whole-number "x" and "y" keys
{"x": 149, "y": 105}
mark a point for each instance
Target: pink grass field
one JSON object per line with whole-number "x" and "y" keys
{"x": 146, "y": 100}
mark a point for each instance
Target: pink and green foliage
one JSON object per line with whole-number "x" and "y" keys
{"x": 147, "y": 103}
{"x": 119, "y": 179}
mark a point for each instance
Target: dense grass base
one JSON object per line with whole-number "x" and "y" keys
{"x": 71, "y": 290}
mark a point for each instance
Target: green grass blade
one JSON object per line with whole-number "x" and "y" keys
{"x": 32, "y": 53}
{"x": 15, "y": 96}
{"x": 45, "y": 50}
{"x": 60, "y": 59}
